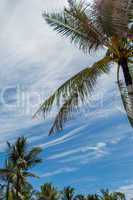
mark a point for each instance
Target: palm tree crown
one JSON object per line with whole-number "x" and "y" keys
{"x": 19, "y": 162}
{"x": 48, "y": 192}
{"x": 108, "y": 25}
{"x": 68, "y": 193}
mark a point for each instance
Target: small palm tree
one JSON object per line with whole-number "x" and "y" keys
{"x": 48, "y": 192}
{"x": 28, "y": 192}
{"x": 20, "y": 161}
{"x": 92, "y": 197}
{"x": 68, "y": 193}
{"x": 106, "y": 195}
{"x": 106, "y": 25}
{"x": 7, "y": 175}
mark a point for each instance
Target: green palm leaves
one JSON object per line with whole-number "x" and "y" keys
{"x": 68, "y": 193}
{"x": 78, "y": 89}
{"x": 90, "y": 27}
{"x": 48, "y": 192}
{"x": 74, "y": 91}
{"x": 16, "y": 171}
{"x": 113, "y": 16}
{"x": 130, "y": 13}
{"x": 75, "y": 24}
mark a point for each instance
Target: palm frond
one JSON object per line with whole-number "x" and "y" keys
{"x": 64, "y": 114}
{"x": 5, "y": 172}
{"x": 29, "y": 174}
{"x": 75, "y": 23}
{"x": 75, "y": 90}
{"x": 32, "y": 158}
{"x": 33, "y": 153}
{"x": 82, "y": 83}
{"x": 71, "y": 3}
{"x": 130, "y": 11}
{"x": 17, "y": 150}
{"x": 112, "y": 16}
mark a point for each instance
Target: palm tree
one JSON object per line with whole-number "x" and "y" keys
{"x": 106, "y": 25}
{"x": 106, "y": 195}
{"x": 28, "y": 192}
{"x": 7, "y": 175}
{"x": 68, "y": 193}
{"x": 48, "y": 192}
{"x": 21, "y": 160}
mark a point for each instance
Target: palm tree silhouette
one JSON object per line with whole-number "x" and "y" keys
{"x": 7, "y": 176}
{"x": 68, "y": 193}
{"x": 106, "y": 195}
{"x": 17, "y": 170}
{"x": 48, "y": 192}
{"x": 105, "y": 25}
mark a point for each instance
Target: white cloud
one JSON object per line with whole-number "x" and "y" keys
{"x": 82, "y": 150}
{"x": 128, "y": 190}
{"x": 72, "y": 134}
{"x": 59, "y": 171}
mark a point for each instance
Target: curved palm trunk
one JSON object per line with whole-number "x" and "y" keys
{"x": 17, "y": 187}
{"x": 127, "y": 76}
{"x": 126, "y": 90}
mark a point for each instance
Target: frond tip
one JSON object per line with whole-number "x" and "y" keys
{"x": 64, "y": 114}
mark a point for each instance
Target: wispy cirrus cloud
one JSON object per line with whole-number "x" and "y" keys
{"x": 59, "y": 171}
{"x": 65, "y": 138}
{"x": 81, "y": 149}
{"x": 128, "y": 190}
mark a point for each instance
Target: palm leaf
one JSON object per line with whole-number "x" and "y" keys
{"x": 5, "y": 172}
{"x": 113, "y": 16}
{"x": 75, "y": 23}
{"x": 33, "y": 162}
{"x": 32, "y": 157}
{"x": 87, "y": 77}
{"x": 130, "y": 11}
{"x": 33, "y": 154}
{"x": 74, "y": 90}
{"x": 28, "y": 174}
{"x": 64, "y": 114}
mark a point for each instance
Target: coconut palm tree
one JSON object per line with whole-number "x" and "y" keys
{"x": 20, "y": 161}
{"x": 7, "y": 175}
{"x": 23, "y": 159}
{"x": 28, "y": 192}
{"x": 104, "y": 25}
{"x": 106, "y": 195}
{"x": 48, "y": 192}
{"x": 68, "y": 193}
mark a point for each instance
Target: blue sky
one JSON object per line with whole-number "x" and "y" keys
{"x": 95, "y": 149}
